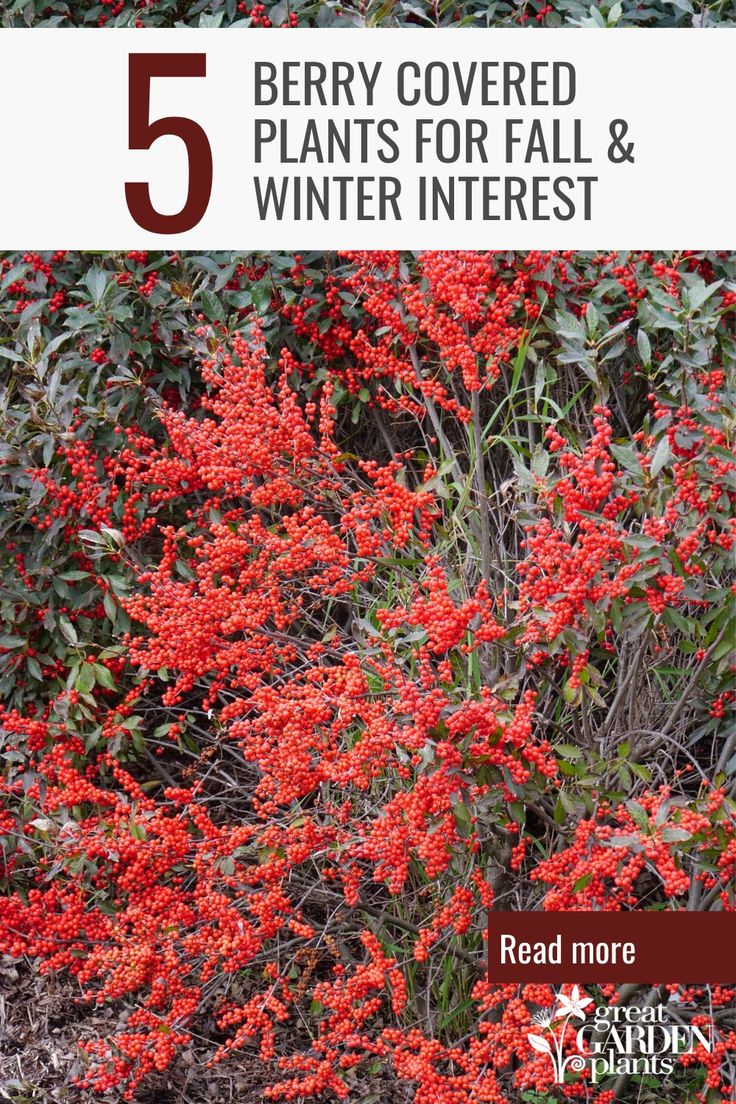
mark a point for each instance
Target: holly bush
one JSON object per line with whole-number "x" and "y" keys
{"x": 367, "y": 13}
{"x": 346, "y": 597}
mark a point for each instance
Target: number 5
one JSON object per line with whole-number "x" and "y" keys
{"x": 142, "y": 134}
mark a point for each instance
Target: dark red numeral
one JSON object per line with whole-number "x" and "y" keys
{"x": 142, "y": 134}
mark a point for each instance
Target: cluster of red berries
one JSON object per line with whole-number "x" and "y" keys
{"x": 381, "y": 742}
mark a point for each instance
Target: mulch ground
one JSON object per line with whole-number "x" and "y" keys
{"x": 41, "y": 1021}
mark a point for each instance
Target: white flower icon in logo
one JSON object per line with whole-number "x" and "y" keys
{"x": 574, "y": 1005}
{"x": 568, "y": 1008}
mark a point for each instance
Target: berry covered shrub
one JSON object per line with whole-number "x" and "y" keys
{"x": 345, "y": 598}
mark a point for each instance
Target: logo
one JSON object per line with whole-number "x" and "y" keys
{"x": 568, "y": 1008}
{"x": 617, "y": 1040}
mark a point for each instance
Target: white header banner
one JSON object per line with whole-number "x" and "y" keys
{"x": 368, "y": 139}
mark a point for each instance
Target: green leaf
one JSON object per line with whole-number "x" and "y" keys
{"x": 103, "y": 676}
{"x": 695, "y": 296}
{"x": 638, "y": 814}
{"x": 11, "y": 355}
{"x": 96, "y": 282}
{"x": 212, "y": 306}
{"x": 540, "y": 461}
{"x": 67, "y": 629}
{"x": 625, "y": 841}
{"x": 676, "y": 835}
{"x": 110, "y": 607}
{"x": 626, "y": 457}
{"x": 34, "y": 669}
{"x": 644, "y": 346}
{"x": 85, "y": 679}
{"x": 570, "y": 751}
{"x": 262, "y": 292}
{"x": 662, "y": 456}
